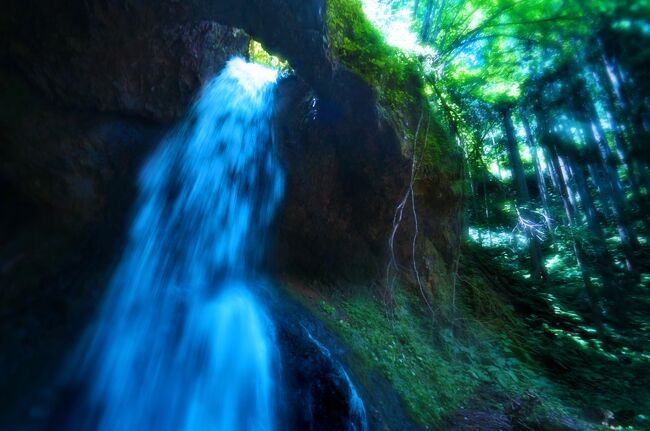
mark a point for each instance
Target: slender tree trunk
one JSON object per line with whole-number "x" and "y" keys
{"x": 568, "y": 175}
{"x": 623, "y": 133}
{"x": 609, "y": 161}
{"x": 440, "y": 8}
{"x": 473, "y": 195}
{"x": 565, "y": 191}
{"x": 523, "y": 196}
{"x": 604, "y": 175}
{"x": 539, "y": 174}
{"x": 518, "y": 172}
{"x": 552, "y": 169}
{"x": 562, "y": 184}
{"x": 427, "y": 21}
{"x": 616, "y": 117}
{"x": 603, "y": 257}
{"x": 603, "y": 194}
{"x": 638, "y": 129}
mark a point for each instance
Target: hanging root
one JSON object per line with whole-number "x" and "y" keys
{"x": 526, "y": 224}
{"x": 397, "y": 220}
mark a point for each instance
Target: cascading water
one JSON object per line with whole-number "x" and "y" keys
{"x": 181, "y": 342}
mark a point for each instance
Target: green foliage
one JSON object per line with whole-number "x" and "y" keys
{"x": 549, "y": 62}
{"x": 436, "y": 371}
{"x": 401, "y": 348}
{"x": 396, "y": 76}
{"x": 489, "y": 49}
{"x": 357, "y": 44}
{"x": 258, "y": 54}
{"x": 553, "y": 335}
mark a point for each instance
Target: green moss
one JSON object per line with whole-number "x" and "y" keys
{"x": 401, "y": 348}
{"x": 435, "y": 372}
{"x": 257, "y": 54}
{"x": 396, "y": 76}
{"x": 357, "y": 44}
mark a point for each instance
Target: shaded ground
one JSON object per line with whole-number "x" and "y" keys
{"x": 466, "y": 380}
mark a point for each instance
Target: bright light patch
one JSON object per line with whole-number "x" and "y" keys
{"x": 497, "y": 237}
{"x": 552, "y": 262}
{"x": 259, "y": 55}
{"x": 396, "y": 26}
{"x": 251, "y": 76}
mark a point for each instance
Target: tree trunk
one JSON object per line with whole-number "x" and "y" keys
{"x": 604, "y": 175}
{"x": 440, "y": 8}
{"x": 539, "y": 174}
{"x": 523, "y": 196}
{"x": 426, "y": 21}
{"x": 623, "y": 133}
{"x": 604, "y": 261}
{"x": 561, "y": 181}
{"x": 416, "y": 6}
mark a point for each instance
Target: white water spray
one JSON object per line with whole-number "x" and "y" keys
{"x": 181, "y": 343}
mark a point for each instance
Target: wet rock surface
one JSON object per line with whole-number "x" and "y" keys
{"x": 345, "y": 176}
{"x": 318, "y": 391}
{"x": 88, "y": 89}
{"x": 115, "y": 56}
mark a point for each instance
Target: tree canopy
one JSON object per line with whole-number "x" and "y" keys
{"x": 549, "y": 101}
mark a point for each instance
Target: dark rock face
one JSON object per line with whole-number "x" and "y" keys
{"x": 294, "y": 29}
{"x": 346, "y": 174}
{"x": 87, "y": 88}
{"x": 141, "y": 59}
{"x": 117, "y": 56}
{"x": 71, "y": 163}
{"x": 86, "y": 85}
{"x": 317, "y": 392}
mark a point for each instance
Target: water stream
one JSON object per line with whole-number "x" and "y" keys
{"x": 181, "y": 342}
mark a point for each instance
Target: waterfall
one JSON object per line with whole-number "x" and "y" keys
{"x": 181, "y": 343}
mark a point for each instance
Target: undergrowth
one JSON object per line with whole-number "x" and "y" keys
{"x": 606, "y": 371}
{"x": 507, "y": 336}
{"x": 436, "y": 371}
{"x": 509, "y": 339}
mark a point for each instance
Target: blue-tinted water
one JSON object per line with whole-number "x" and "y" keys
{"x": 181, "y": 343}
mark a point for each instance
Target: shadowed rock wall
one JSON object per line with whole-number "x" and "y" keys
{"x": 82, "y": 81}
{"x": 87, "y": 88}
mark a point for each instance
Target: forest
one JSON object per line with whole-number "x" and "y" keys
{"x": 548, "y": 103}
{"x": 346, "y": 215}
